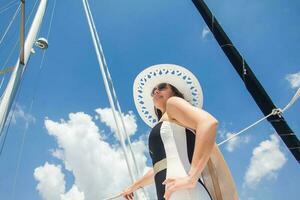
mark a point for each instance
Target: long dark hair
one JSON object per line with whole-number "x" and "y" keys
{"x": 176, "y": 93}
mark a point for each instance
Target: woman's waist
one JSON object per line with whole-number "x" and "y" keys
{"x": 174, "y": 165}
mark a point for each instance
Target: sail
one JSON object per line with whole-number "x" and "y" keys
{"x": 10, "y": 91}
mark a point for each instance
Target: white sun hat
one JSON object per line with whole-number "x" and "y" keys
{"x": 176, "y": 75}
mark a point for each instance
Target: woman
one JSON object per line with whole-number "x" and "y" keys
{"x": 169, "y": 99}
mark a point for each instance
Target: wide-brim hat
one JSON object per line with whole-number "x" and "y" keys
{"x": 150, "y": 77}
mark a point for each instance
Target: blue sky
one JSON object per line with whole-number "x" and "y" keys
{"x": 135, "y": 35}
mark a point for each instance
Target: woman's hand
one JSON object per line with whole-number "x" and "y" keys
{"x": 128, "y": 193}
{"x": 147, "y": 179}
{"x": 175, "y": 184}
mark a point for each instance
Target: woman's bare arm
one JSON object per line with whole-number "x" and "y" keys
{"x": 147, "y": 179}
{"x": 204, "y": 124}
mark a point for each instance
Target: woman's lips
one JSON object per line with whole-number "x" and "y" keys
{"x": 158, "y": 96}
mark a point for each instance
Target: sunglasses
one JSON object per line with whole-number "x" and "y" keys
{"x": 160, "y": 87}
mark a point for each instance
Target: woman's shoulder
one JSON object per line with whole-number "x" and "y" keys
{"x": 174, "y": 104}
{"x": 174, "y": 100}
{"x": 166, "y": 118}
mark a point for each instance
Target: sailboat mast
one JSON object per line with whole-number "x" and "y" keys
{"x": 10, "y": 91}
{"x": 252, "y": 84}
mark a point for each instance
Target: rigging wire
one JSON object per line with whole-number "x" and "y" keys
{"x": 116, "y": 100}
{"x": 6, "y": 61}
{"x": 9, "y": 5}
{"x": 277, "y": 111}
{"x": 15, "y": 46}
{"x": 101, "y": 58}
{"x": 108, "y": 85}
{"x": 13, "y": 110}
{"x": 8, "y": 125}
{"x": 122, "y": 120}
{"x": 124, "y": 127}
{"x": 111, "y": 95}
{"x": 10, "y": 23}
{"x": 33, "y": 99}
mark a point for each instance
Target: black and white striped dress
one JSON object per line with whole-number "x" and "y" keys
{"x": 175, "y": 144}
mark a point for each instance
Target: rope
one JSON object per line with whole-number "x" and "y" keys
{"x": 7, "y": 6}
{"x": 10, "y": 23}
{"x": 276, "y": 111}
{"x": 293, "y": 100}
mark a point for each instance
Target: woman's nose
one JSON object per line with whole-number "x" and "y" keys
{"x": 156, "y": 91}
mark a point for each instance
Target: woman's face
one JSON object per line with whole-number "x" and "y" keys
{"x": 160, "y": 94}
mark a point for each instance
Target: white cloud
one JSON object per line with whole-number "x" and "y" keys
{"x": 232, "y": 144}
{"x": 106, "y": 117}
{"x": 294, "y": 79}
{"x": 99, "y": 169}
{"x": 267, "y": 159}
{"x": 235, "y": 142}
{"x": 58, "y": 153}
{"x": 205, "y": 32}
{"x": 51, "y": 181}
{"x": 73, "y": 194}
{"x": 51, "y": 184}
{"x": 20, "y": 114}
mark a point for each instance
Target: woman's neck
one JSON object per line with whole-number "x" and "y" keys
{"x": 164, "y": 116}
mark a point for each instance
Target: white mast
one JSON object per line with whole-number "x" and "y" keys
{"x": 9, "y": 94}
